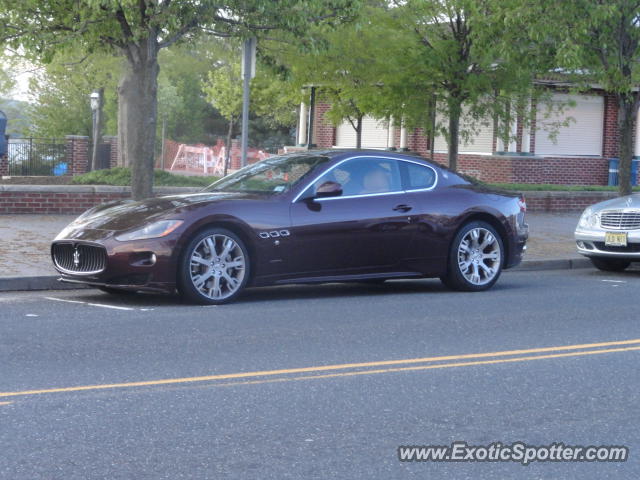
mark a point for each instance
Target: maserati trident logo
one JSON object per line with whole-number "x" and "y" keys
{"x": 76, "y": 257}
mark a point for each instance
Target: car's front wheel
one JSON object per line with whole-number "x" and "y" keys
{"x": 214, "y": 267}
{"x": 476, "y": 257}
{"x": 610, "y": 264}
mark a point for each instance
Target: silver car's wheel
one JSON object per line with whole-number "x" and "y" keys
{"x": 476, "y": 257}
{"x": 214, "y": 268}
{"x": 479, "y": 256}
{"x": 217, "y": 267}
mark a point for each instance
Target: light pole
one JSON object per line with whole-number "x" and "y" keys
{"x": 96, "y": 104}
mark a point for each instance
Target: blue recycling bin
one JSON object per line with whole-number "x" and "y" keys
{"x": 60, "y": 169}
{"x": 613, "y": 171}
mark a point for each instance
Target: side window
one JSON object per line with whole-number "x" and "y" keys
{"x": 419, "y": 177}
{"x": 362, "y": 176}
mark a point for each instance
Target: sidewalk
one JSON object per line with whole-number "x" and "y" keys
{"x": 25, "y": 241}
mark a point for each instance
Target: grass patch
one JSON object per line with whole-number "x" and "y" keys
{"x": 529, "y": 187}
{"x": 121, "y": 176}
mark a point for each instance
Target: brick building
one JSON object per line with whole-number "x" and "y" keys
{"x": 577, "y": 152}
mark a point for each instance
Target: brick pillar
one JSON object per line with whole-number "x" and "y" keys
{"x": 324, "y": 133}
{"x": 113, "y": 143}
{"x": 610, "y": 127}
{"x": 4, "y": 165}
{"x": 77, "y": 152}
{"x": 236, "y": 155}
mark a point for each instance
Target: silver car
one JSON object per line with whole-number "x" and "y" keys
{"x": 609, "y": 233}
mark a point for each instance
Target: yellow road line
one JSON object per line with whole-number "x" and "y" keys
{"x": 429, "y": 367}
{"x": 324, "y": 368}
{"x": 6, "y": 403}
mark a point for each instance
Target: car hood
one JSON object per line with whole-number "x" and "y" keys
{"x": 629, "y": 201}
{"x": 127, "y": 214}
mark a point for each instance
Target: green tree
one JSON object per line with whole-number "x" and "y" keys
{"x": 456, "y": 55}
{"x": 273, "y": 102}
{"x": 138, "y": 30}
{"x": 345, "y": 64}
{"x": 598, "y": 42}
{"x": 60, "y": 93}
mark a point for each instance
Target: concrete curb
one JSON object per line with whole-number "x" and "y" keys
{"x": 12, "y": 284}
{"x": 554, "y": 264}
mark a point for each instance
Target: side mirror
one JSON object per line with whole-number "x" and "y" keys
{"x": 329, "y": 189}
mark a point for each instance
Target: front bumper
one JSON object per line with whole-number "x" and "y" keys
{"x": 146, "y": 265}
{"x": 591, "y": 243}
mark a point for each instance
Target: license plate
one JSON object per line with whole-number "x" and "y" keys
{"x": 615, "y": 239}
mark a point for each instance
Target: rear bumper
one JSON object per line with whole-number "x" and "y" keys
{"x": 518, "y": 246}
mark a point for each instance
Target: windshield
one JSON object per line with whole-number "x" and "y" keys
{"x": 271, "y": 176}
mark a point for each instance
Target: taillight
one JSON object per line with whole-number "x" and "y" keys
{"x": 522, "y": 203}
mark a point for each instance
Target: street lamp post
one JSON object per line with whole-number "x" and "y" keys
{"x": 96, "y": 104}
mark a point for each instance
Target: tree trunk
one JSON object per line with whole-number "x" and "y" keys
{"x": 359, "y": 132}
{"x": 627, "y": 113}
{"x": 137, "y": 115}
{"x": 227, "y": 150}
{"x": 455, "y": 110}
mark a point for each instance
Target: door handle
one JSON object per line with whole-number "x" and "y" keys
{"x": 402, "y": 208}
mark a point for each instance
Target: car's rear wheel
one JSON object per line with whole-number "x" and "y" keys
{"x": 214, "y": 267}
{"x": 476, "y": 257}
{"x": 610, "y": 264}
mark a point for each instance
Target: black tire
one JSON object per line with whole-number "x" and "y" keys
{"x": 116, "y": 291}
{"x": 610, "y": 264}
{"x": 186, "y": 286}
{"x": 456, "y": 279}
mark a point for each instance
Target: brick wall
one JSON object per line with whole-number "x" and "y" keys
{"x": 67, "y": 199}
{"x": 561, "y": 202}
{"x": 75, "y": 199}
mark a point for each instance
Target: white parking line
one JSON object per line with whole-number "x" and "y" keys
{"x": 100, "y": 305}
{"x": 64, "y": 300}
{"x": 110, "y": 306}
{"x": 614, "y": 281}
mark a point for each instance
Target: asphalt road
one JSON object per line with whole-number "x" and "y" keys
{"x": 145, "y": 387}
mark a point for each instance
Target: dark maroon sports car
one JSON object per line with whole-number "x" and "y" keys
{"x": 317, "y": 216}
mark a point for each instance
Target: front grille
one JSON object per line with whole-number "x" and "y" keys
{"x": 79, "y": 258}
{"x": 619, "y": 220}
{"x": 630, "y": 248}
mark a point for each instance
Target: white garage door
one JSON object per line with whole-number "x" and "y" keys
{"x": 582, "y": 135}
{"x": 481, "y": 141}
{"x": 374, "y": 134}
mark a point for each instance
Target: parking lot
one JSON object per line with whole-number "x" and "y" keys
{"x": 319, "y": 381}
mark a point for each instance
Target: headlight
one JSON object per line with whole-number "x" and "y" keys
{"x": 589, "y": 219}
{"x": 153, "y": 230}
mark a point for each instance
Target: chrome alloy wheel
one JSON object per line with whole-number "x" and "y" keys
{"x": 217, "y": 267}
{"x": 479, "y": 256}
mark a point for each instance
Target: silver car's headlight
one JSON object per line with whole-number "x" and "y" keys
{"x": 158, "y": 229}
{"x": 589, "y": 219}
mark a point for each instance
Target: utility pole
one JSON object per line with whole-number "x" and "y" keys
{"x": 248, "y": 72}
